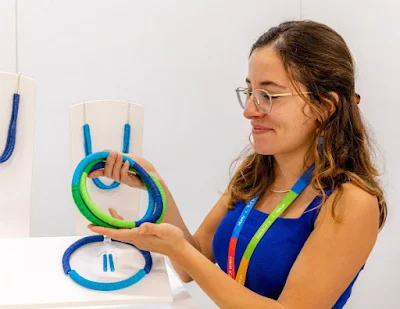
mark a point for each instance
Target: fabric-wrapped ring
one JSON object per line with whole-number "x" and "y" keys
{"x": 157, "y": 199}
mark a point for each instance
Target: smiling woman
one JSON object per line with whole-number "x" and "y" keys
{"x": 302, "y": 212}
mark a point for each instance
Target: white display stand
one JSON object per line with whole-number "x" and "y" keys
{"x": 32, "y": 277}
{"x": 181, "y": 298}
{"x": 106, "y": 119}
{"x": 16, "y": 173}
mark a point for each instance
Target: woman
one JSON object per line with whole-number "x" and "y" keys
{"x": 310, "y": 150}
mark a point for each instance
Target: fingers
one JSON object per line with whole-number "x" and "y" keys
{"x": 125, "y": 173}
{"x": 123, "y": 234}
{"x": 129, "y": 177}
{"x": 116, "y": 172}
{"x": 110, "y": 161}
{"x": 115, "y": 214}
{"x": 112, "y": 168}
{"x": 97, "y": 173}
{"x": 120, "y": 234}
{"x": 115, "y": 169}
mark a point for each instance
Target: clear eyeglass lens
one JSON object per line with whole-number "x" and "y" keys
{"x": 262, "y": 100}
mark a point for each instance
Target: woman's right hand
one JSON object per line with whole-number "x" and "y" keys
{"x": 115, "y": 170}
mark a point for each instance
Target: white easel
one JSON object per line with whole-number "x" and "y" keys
{"x": 16, "y": 173}
{"x": 106, "y": 119}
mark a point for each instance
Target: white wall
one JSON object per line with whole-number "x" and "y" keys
{"x": 371, "y": 31}
{"x": 182, "y": 61}
{"x": 8, "y": 37}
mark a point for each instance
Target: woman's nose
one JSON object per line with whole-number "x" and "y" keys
{"x": 251, "y": 111}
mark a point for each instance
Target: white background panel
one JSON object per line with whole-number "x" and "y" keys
{"x": 7, "y": 36}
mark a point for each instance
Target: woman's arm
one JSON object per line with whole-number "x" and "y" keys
{"x": 327, "y": 264}
{"x": 202, "y": 238}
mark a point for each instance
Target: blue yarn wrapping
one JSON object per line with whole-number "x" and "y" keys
{"x": 127, "y": 137}
{"x": 104, "y": 262}
{"x": 106, "y": 286}
{"x": 87, "y": 140}
{"x": 12, "y": 130}
{"x": 155, "y": 206}
{"x": 75, "y": 246}
{"x": 155, "y": 193}
{"x": 103, "y": 286}
{"x": 110, "y": 257}
{"x": 149, "y": 261}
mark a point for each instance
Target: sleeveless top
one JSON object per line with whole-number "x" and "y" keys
{"x": 277, "y": 251}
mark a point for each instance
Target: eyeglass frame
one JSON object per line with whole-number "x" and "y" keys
{"x": 271, "y": 96}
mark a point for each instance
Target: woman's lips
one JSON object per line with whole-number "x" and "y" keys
{"x": 260, "y": 130}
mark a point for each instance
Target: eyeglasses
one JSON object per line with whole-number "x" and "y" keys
{"x": 262, "y": 98}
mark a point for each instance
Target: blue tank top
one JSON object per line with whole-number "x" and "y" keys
{"x": 276, "y": 253}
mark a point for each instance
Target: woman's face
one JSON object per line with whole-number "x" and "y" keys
{"x": 289, "y": 124}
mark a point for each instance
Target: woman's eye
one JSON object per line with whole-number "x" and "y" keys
{"x": 267, "y": 97}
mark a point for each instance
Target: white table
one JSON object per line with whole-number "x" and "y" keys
{"x": 31, "y": 276}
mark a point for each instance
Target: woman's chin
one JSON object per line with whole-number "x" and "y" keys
{"x": 264, "y": 143}
{"x": 263, "y": 150}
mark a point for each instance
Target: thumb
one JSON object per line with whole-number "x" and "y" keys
{"x": 115, "y": 214}
{"x": 150, "y": 229}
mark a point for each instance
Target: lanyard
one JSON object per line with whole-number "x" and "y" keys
{"x": 294, "y": 192}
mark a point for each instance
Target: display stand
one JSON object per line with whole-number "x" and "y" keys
{"x": 106, "y": 119}
{"x": 16, "y": 172}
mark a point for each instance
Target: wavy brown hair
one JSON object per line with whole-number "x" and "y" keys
{"x": 316, "y": 56}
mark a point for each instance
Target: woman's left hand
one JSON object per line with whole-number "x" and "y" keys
{"x": 162, "y": 238}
